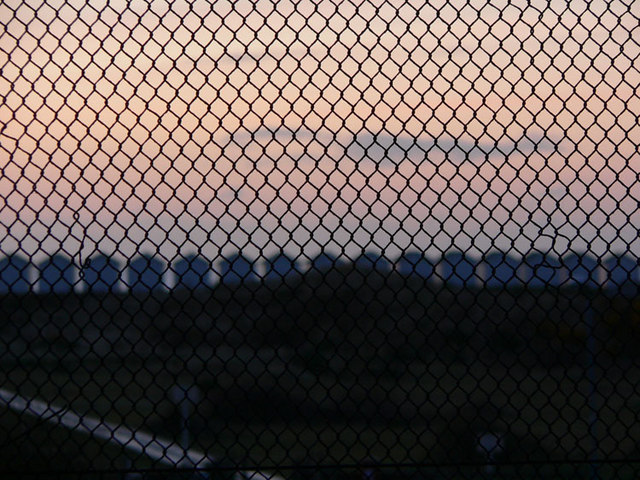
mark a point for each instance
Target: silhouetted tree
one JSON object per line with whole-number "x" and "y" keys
{"x": 56, "y": 275}
{"x": 501, "y": 270}
{"x": 102, "y": 274}
{"x": 414, "y": 263}
{"x": 191, "y": 272}
{"x": 371, "y": 261}
{"x": 458, "y": 270}
{"x": 236, "y": 269}
{"x": 145, "y": 274}
{"x": 622, "y": 274}
{"x": 540, "y": 270}
{"x": 281, "y": 267}
{"x": 582, "y": 269}
{"x": 15, "y": 275}
{"x": 324, "y": 262}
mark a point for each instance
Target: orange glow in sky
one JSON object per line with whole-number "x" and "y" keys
{"x": 188, "y": 125}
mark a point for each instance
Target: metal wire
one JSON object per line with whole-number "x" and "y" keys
{"x": 319, "y": 239}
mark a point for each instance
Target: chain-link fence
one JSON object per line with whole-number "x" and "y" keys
{"x": 318, "y": 239}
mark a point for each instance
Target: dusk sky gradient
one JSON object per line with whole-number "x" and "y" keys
{"x": 212, "y": 126}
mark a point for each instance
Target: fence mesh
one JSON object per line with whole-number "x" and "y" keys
{"x": 317, "y": 239}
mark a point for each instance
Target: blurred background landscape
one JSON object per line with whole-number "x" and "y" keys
{"x": 368, "y": 360}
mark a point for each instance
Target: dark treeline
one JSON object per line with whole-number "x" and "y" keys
{"x": 102, "y": 273}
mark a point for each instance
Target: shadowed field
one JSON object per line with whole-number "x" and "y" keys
{"x": 380, "y": 370}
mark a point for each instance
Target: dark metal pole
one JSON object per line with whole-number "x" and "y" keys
{"x": 591, "y": 378}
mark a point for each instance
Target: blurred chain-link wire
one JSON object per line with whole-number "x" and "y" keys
{"x": 319, "y": 239}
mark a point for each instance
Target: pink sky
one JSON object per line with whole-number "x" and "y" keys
{"x": 244, "y": 117}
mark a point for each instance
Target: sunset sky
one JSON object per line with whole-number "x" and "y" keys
{"x": 173, "y": 127}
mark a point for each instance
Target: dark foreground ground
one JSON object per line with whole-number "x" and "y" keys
{"x": 381, "y": 370}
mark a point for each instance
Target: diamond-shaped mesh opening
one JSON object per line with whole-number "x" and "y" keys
{"x": 331, "y": 240}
